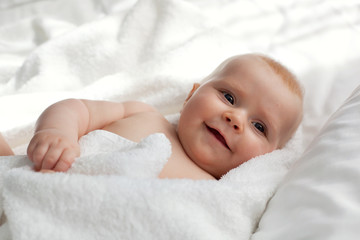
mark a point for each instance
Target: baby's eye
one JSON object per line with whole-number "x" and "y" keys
{"x": 260, "y": 127}
{"x": 229, "y": 98}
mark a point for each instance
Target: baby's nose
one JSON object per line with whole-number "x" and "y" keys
{"x": 235, "y": 120}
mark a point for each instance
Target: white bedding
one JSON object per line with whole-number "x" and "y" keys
{"x": 153, "y": 50}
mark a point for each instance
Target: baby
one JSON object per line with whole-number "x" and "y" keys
{"x": 250, "y": 105}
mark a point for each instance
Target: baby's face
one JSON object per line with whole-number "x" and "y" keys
{"x": 244, "y": 111}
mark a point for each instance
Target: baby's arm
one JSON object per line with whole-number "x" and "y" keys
{"x": 58, "y": 129}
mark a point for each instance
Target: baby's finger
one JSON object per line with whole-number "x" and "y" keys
{"x": 37, "y": 154}
{"x": 51, "y": 157}
{"x": 31, "y": 148}
{"x": 66, "y": 160}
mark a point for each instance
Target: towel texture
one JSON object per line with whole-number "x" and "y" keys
{"x": 112, "y": 192}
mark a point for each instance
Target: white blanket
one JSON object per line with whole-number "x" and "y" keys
{"x": 112, "y": 192}
{"x": 153, "y": 50}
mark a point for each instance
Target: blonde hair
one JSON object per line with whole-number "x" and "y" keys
{"x": 286, "y": 75}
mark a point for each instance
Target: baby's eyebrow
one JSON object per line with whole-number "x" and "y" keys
{"x": 235, "y": 87}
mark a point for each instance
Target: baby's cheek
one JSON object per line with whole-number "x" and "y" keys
{"x": 252, "y": 151}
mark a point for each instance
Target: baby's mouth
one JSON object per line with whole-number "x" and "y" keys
{"x": 218, "y": 136}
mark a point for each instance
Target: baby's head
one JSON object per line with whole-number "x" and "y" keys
{"x": 250, "y": 105}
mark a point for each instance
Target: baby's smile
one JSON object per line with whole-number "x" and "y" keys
{"x": 218, "y": 136}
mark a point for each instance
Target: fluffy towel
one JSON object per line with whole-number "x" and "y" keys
{"x": 112, "y": 192}
{"x": 120, "y": 156}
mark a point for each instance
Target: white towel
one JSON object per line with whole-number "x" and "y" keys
{"x": 112, "y": 192}
{"x": 104, "y": 152}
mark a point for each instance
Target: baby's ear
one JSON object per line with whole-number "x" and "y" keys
{"x": 195, "y": 86}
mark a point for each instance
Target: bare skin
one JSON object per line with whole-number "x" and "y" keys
{"x": 5, "y": 149}
{"x": 243, "y": 111}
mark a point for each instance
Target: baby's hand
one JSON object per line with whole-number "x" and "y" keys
{"x": 51, "y": 149}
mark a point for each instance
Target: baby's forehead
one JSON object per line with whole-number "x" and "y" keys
{"x": 242, "y": 68}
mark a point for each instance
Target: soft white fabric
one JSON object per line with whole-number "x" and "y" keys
{"x": 153, "y": 50}
{"x": 112, "y": 192}
{"x": 103, "y": 152}
{"x": 320, "y": 197}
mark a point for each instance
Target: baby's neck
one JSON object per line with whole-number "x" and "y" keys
{"x": 180, "y": 165}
